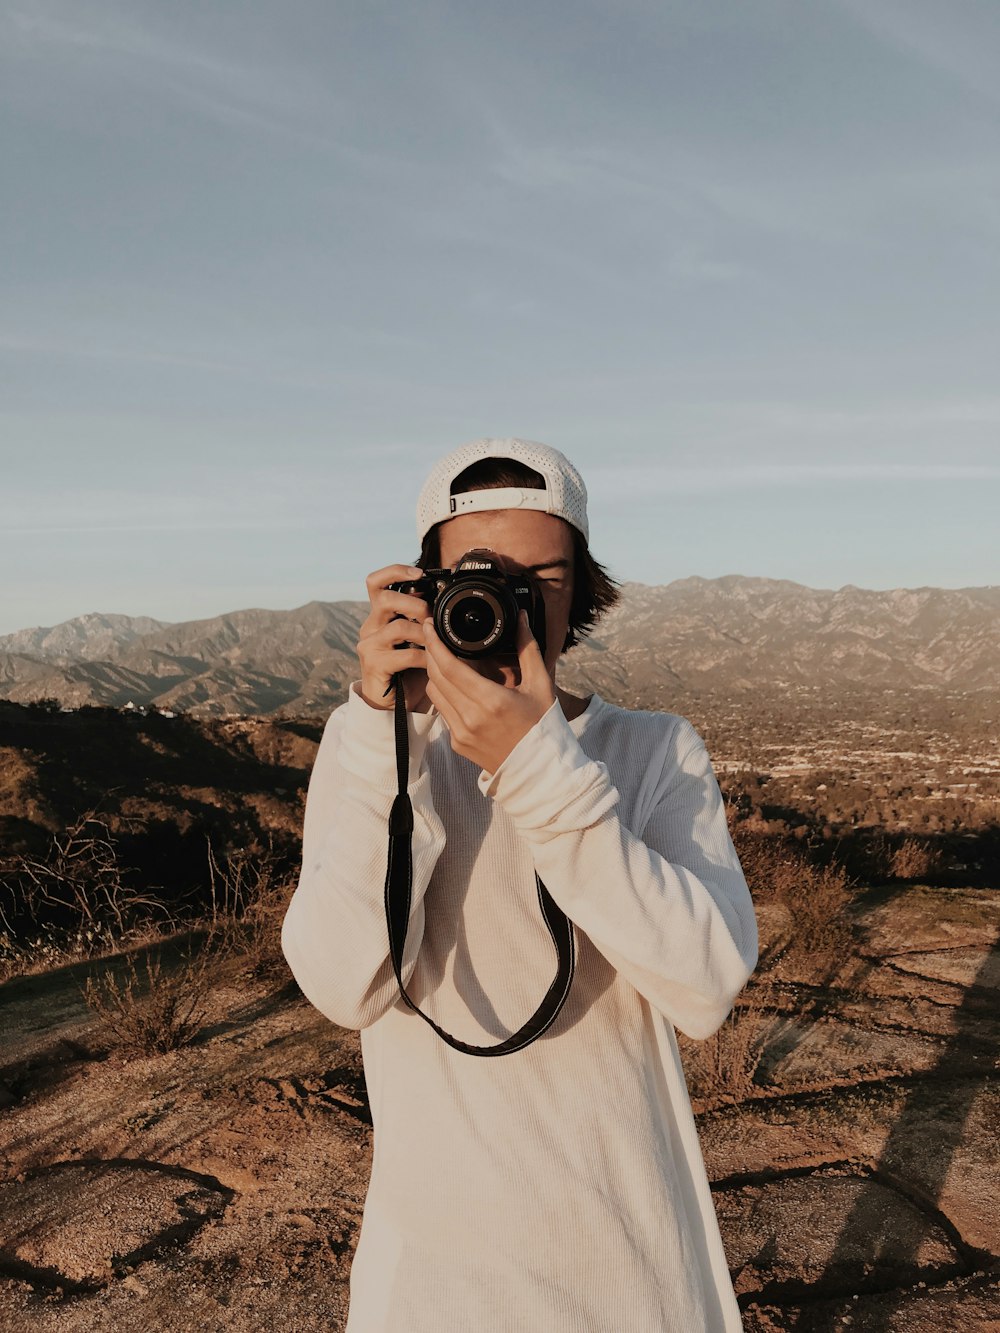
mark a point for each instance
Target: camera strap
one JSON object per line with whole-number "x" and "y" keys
{"x": 398, "y": 890}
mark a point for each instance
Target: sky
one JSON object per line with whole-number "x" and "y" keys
{"x": 265, "y": 263}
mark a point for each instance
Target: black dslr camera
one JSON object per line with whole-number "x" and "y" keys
{"x": 475, "y": 607}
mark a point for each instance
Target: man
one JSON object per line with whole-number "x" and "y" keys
{"x": 559, "y": 1188}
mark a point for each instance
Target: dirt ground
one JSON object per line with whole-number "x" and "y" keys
{"x": 221, "y": 1186}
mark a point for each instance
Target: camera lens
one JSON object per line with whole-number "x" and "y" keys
{"x": 472, "y": 619}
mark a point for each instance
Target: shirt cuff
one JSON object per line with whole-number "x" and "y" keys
{"x": 548, "y": 782}
{"x": 368, "y": 742}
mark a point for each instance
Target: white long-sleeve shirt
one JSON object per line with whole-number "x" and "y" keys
{"x": 562, "y": 1188}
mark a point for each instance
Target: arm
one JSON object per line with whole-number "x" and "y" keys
{"x": 670, "y": 909}
{"x": 334, "y": 933}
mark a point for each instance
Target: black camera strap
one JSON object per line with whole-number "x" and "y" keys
{"x": 398, "y": 890}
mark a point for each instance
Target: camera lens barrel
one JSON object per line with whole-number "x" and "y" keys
{"x": 476, "y": 619}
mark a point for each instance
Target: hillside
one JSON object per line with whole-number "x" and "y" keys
{"x": 692, "y": 636}
{"x": 163, "y": 786}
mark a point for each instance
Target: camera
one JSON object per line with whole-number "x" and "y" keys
{"x": 475, "y": 606}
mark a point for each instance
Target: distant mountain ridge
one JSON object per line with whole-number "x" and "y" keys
{"x": 84, "y": 638}
{"x": 696, "y": 634}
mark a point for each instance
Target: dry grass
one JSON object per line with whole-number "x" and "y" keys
{"x": 916, "y": 860}
{"x": 814, "y": 936}
{"x": 73, "y": 903}
{"x": 814, "y": 939}
{"x": 723, "y": 1066}
{"x": 877, "y": 857}
{"x": 816, "y": 897}
{"x": 250, "y": 894}
{"x": 162, "y": 1013}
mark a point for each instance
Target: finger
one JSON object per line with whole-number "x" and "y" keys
{"x": 389, "y": 650}
{"x": 386, "y": 605}
{"x": 395, "y": 632}
{"x": 534, "y": 673}
{"x": 524, "y": 635}
{"x": 528, "y": 652}
{"x": 442, "y": 702}
{"x": 451, "y": 716}
{"x": 438, "y": 655}
{"x": 376, "y": 677}
{"x": 457, "y": 675}
{"x": 402, "y": 659}
{"x": 381, "y": 578}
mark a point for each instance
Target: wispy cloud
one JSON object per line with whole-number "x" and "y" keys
{"x": 18, "y": 345}
{"x": 961, "y": 43}
{"x": 717, "y": 196}
{"x": 647, "y": 480}
{"x": 258, "y": 362}
{"x": 159, "y": 490}
{"x": 248, "y": 95}
{"x": 109, "y": 33}
{"x": 749, "y": 246}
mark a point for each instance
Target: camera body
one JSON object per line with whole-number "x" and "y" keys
{"x": 475, "y": 606}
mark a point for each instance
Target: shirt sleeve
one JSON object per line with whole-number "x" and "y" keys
{"x": 670, "y": 909}
{"x": 334, "y": 935}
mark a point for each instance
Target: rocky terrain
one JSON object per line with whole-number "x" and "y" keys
{"x": 725, "y": 635}
{"x": 165, "y": 790}
{"x": 221, "y": 1186}
{"x": 844, "y": 765}
{"x": 848, "y": 1110}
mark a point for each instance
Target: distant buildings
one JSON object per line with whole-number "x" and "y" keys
{"x": 140, "y": 710}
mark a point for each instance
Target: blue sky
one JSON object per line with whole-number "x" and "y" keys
{"x": 265, "y": 263}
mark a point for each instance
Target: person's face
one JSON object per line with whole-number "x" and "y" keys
{"x": 529, "y": 542}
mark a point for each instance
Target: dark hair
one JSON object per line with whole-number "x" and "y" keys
{"x": 594, "y": 590}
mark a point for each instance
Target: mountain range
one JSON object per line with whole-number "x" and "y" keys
{"x": 693, "y": 635}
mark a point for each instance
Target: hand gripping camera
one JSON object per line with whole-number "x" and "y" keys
{"x": 475, "y": 607}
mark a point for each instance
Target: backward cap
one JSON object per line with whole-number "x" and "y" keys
{"x": 565, "y": 494}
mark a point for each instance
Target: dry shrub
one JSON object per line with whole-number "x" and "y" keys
{"x": 162, "y": 1013}
{"x": 816, "y": 897}
{"x": 73, "y": 903}
{"x": 817, "y": 900}
{"x": 868, "y": 855}
{"x": 915, "y": 859}
{"x": 250, "y": 893}
{"x": 722, "y": 1067}
{"x": 875, "y": 857}
{"x": 771, "y": 865}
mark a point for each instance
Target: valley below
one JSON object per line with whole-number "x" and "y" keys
{"x": 848, "y": 1110}
{"x": 222, "y": 1185}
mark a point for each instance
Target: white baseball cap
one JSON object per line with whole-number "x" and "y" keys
{"x": 564, "y": 495}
